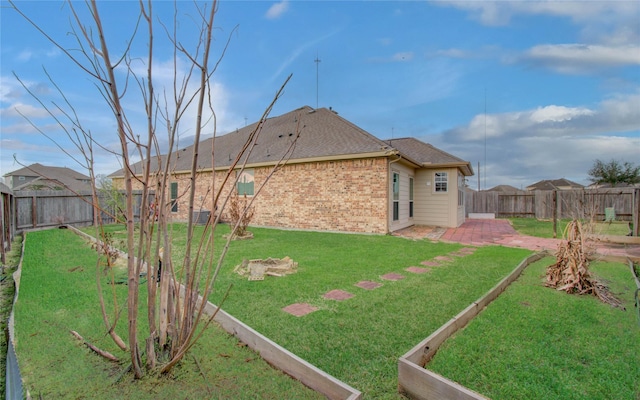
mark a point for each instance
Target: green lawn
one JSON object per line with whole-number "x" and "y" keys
{"x": 58, "y": 294}
{"x": 544, "y": 229}
{"x": 358, "y": 340}
{"x": 536, "y": 342}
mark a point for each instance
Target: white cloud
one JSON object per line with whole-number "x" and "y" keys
{"x": 25, "y": 55}
{"x": 20, "y": 110}
{"x": 619, "y": 114}
{"x": 609, "y": 29}
{"x": 541, "y": 121}
{"x": 277, "y": 9}
{"x": 494, "y": 13}
{"x": 547, "y": 142}
{"x": 578, "y": 58}
{"x": 451, "y": 53}
{"x": 297, "y": 52}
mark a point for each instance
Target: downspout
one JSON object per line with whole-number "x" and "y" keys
{"x": 388, "y": 192}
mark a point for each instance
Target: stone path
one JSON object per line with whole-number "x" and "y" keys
{"x": 482, "y": 232}
{"x": 301, "y": 309}
{"x": 474, "y": 232}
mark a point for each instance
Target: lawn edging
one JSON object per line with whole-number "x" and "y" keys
{"x": 274, "y": 354}
{"x": 13, "y": 380}
{"x": 417, "y": 382}
{"x": 281, "y": 358}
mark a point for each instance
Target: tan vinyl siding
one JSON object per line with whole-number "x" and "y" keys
{"x": 432, "y": 208}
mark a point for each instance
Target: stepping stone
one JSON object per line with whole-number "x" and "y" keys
{"x": 299, "y": 309}
{"x": 430, "y": 263}
{"x": 467, "y": 250}
{"x": 369, "y": 285}
{"x": 418, "y": 270}
{"x": 337, "y": 294}
{"x": 458, "y": 254}
{"x": 443, "y": 258}
{"x": 392, "y": 277}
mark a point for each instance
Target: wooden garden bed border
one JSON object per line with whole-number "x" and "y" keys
{"x": 274, "y": 354}
{"x": 417, "y": 382}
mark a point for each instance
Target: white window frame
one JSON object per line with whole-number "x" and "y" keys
{"x": 441, "y": 182}
{"x": 461, "y": 188}
{"x": 246, "y": 182}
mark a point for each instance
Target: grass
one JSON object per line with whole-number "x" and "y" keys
{"x": 544, "y": 229}
{"x": 360, "y": 339}
{"x": 58, "y": 294}
{"x": 536, "y": 342}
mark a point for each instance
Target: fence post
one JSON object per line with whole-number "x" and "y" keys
{"x": 635, "y": 213}
{"x": 555, "y": 214}
{"x": 34, "y": 211}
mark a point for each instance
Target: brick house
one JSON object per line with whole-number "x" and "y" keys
{"x": 338, "y": 177}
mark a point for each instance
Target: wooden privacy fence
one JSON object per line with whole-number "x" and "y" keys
{"x": 542, "y": 204}
{"x": 43, "y": 208}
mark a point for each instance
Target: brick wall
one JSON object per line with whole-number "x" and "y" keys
{"x": 346, "y": 196}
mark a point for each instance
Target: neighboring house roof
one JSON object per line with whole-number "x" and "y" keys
{"x": 555, "y": 184}
{"x": 51, "y": 178}
{"x": 5, "y": 189}
{"x": 504, "y": 189}
{"x": 324, "y": 135}
{"x": 608, "y": 186}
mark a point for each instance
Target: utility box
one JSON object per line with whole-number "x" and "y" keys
{"x": 201, "y": 217}
{"x": 609, "y": 214}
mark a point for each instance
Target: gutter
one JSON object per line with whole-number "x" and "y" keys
{"x": 464, "y": 166}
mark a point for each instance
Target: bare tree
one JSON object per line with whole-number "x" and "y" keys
{"x": 175, "y": 317}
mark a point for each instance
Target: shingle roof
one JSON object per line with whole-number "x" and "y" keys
{"x": 38, "y": 169}
{"x": 323, "y": 135}
{"x": 553, "y": 184}
{"x": 504, "y": 189}
{"x": 427, "y": 155}
{"x": 52, "y": 176}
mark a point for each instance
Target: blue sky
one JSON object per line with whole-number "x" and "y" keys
{"x": 538, "y": 90}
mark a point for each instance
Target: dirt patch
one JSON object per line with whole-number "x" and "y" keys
{"x": 255, "y": 270}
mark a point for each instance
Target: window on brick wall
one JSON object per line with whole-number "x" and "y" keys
{"x": 245, "y": 182}
{"x": 396, "y": 196}
{"x": 410, "y": 197}
{"x": 174, "y": 196}
{"x": 441, "y": 182}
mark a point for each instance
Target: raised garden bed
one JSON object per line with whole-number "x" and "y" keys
{"x": 536, "y": 342}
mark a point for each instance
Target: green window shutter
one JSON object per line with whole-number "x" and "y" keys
{"x": 174, "y": 196}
